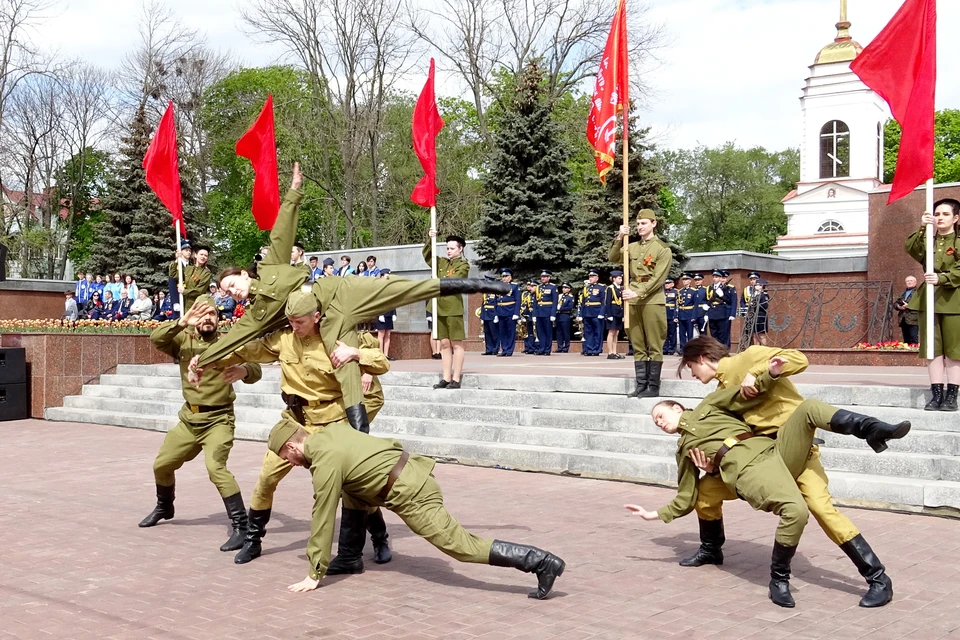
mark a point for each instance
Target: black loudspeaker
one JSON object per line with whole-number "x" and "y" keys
{"x": 13, "y": 402}
{"x": 3, "y": 263}
{"x": 13, "y": 365}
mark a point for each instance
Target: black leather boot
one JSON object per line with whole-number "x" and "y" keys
{"x": 378, "y": 536}
{"x": 256, "y": 529}
{"x": 950, "y": 398}
{"x": 357, "y": 417}
{"x": 875, "y": 432}
{"x": 711, "y": 543}
{"x": 164, "y": 508}
{"x": 869, "y": 566}
{"x": 653, "y": 380}
{"x": 459, "y": 286}
{"x": 353, "y": 535}
{"x": 780, "y": 576}
{"x": 547, "y": 566}
{"x": 238, "y": 515}
{"x": 642, "y": 370}
{"x": 936, "y": 398}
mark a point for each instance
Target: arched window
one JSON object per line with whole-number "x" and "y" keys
{"x": 830, "y": 226}
{"x": 834, "y": 150}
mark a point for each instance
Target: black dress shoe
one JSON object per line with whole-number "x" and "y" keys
{"x": 443, "y": 384}
{"x": 611, "y": 356}
{"x": 391, "y": 359}
{"x": 436, "y": 356}
{"x": 488, "y": 353}
{"x": 454, "y": 384}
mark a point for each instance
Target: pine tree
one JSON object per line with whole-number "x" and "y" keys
{"x": 527, "y": 222}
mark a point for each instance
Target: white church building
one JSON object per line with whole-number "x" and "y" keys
{"x": 841, "y": 157}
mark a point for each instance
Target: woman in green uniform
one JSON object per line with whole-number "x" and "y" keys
{"x": 945, "y": 366}
{"x": 760, "y": 470}
{"x": 450, "y": 330}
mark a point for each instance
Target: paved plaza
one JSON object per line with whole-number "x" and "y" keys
{"x": 75, "y": 565}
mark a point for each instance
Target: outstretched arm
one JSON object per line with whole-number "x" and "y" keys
{"x": 284, "y": 231}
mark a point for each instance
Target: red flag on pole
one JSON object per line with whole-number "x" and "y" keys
{"x": 162, "y": 168}
{"x": 259, "y": 145}
{"x": 901, "y": 65}
{"x": 426, "y": 125}
{"x": 610, "y": 95}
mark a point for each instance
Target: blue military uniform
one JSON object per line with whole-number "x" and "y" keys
{"x": 731, "y": 294}
{"x": 545, "y": 312}
{"x": 507, "y": 314}
{"x": 488, "y": 313}
{"x": 527, "y": 304}
{"x": 591, "y": 312}
{"x": 686, "y": 313}
{"x": 672, "y": 299}
{"x": 719, "y": 312}
{"x": 565, "y": 310}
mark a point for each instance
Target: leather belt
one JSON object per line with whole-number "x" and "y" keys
{"x": 393, "y": 475}
{"x": 642, "y": 279}
{"x": 727, "y": 445}
{"x": 204, "y": 408}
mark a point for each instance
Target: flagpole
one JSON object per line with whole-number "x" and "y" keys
{"x": 433, "y": 269}
{"x": 930, "y": 306}
{"x": 626, "y": 214}
{"x": 179, "y": 270}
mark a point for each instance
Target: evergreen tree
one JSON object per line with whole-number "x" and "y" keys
{"x": 527, "y": 220}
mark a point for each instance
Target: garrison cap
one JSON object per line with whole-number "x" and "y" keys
{"x": 647, "y": 214}
{"x": 615, "y": 273}
{"x": 204, "y": 299}
{"x": 300, "y": 303}
{"x": 280, "y": 433}
{"x": 458, "y": 239}
{"x": 386, "y": 272}
{"x": 299, "y": 245}
{"x": 328, "y": 262}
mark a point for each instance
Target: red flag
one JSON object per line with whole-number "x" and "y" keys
{"x": 901, "y": 65}
{"x": 163, "y": 169}
{"x": 426, "y": 125}
{"x": 259, "y": 145}
{"x": 610, "y": 95}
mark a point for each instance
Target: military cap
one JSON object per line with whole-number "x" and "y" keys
{"x": 458, "y": 239}
{"x": 328, "y": 262}
{"x": 717, "y": 272}
{"x": 566, "y": 285}
{"x": 300, "y": 303}
{"x": 685, "y": 275}
{"x": 506, "y": 272}
{"x": 754, "y": 274}
{"x": 299, "y": 245}
{"x": 184, "y": 244}
{"x": 204, "y": 299}
{"x": 763, "y": 282}
{"x": 726, "y": 274}
{"x": 615, "y": 273}
{"x": 593, "y": 272}
{"x": 486, "y": 276}
{"x": 531, "y": 283}
{"x": 647, "y": 214}
{"x": 387, "y": 272}
{"x": 545, "y": 272}
{"x": 698, "y": 276}
{"x": 669, "y": 279}
{"x": 280, "y": 434}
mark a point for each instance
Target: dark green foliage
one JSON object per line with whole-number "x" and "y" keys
{"x": 946, "y": 147}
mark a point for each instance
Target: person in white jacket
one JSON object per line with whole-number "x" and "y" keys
{"x": 142, "y": 307}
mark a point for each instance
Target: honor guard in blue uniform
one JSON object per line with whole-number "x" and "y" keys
{"x": 671, "y": 296}
{"x": 527, "y": 302}
{"x": 686, "y": 310}
{"x": 591, "y": 314}
{"x": 731, "y": 293}
{"x": 545, "y": 312}
{"x": 748, "y": 292}
{"x": 718, "y": 313}
{"x": 700, "y": 320}
{"x": 565, "y": 311}
{"x": 508, "y": 312}
{"x": 613, "y": 313}
{"x": 488, "y": 318}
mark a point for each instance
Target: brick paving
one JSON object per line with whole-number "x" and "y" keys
{"x": 74, "y": 564}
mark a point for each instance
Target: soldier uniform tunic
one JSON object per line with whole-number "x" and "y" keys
{"x": 545, "y": 308}
{"x": 671, "y": 297}
{"x": 946, "y": 319}
{"x": 564, "y": 322}
{"x": 649, "y": 266}
{"x": 686, "y": 314}
{"x": 449, "y": 308}
{"x": 206, "y": 420}
{"x": 488, "y": 311}
{"x": 591, "y": 310}
{"x": 530, "y": 343}
{"x": 508, "y": 306}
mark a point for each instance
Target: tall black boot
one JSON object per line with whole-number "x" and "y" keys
{"x": 869, "y": 566}
{"x": 950, "y": 398}
{"x": 711, "y": 543}
{"x": 238, "y": 515}
{"x": 642, "y": 370}
{"x": 164, "y": 508}
{"x": 875, "y": 432}
{"x": 256, "y": 529}
{"x": 936, "y": 398}
{"x": 378, "y": 536}
{"x": 547, "y": 566}
{"x": 653, "y": 380}
{"x": 780, "y": 575}
{"x": 353, "y": 535}
{"x": 459, "y": 286}
{"x": 357, "y": 417}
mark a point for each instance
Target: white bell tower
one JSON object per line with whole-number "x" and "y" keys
{"x": 841, "y": 156}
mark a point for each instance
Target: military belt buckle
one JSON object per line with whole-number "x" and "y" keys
{"x": 195, "y": 408}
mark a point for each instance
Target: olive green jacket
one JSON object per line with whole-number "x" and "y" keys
{"x": 714, "y": 420}
{"x": 650, "y": 260}
{"x": 946, "y": 264}
{"x": 447, "y": 268}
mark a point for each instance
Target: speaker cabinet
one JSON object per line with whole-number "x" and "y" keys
{"x": 13, "y": 402}
{"x": 13, "y": 365}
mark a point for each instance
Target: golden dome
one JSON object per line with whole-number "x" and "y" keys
{"x": 842, "y": 49}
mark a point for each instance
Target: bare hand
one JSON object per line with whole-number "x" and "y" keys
{"x": 235, "y": 373}
{"x": 776, "y": 365}
{"x": 926, "y": 218}
{"x": 297, "y": 181}
{"x": 180, "y": 288}
{"x": 640, "y": 511}
{"x": 931, "y": 278}
{"x": 748, "y": 388}
{"x": 193, "y": 372}
{"x": 307, "y": 584}
{"x": 432, "y": 232}
{"x": 344, "y": 354}
{"x": 702, "y": 461}
{"x": 630, "y": 294}
{"x": 366, "y": 381}
{"x": 624, "y": 231}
